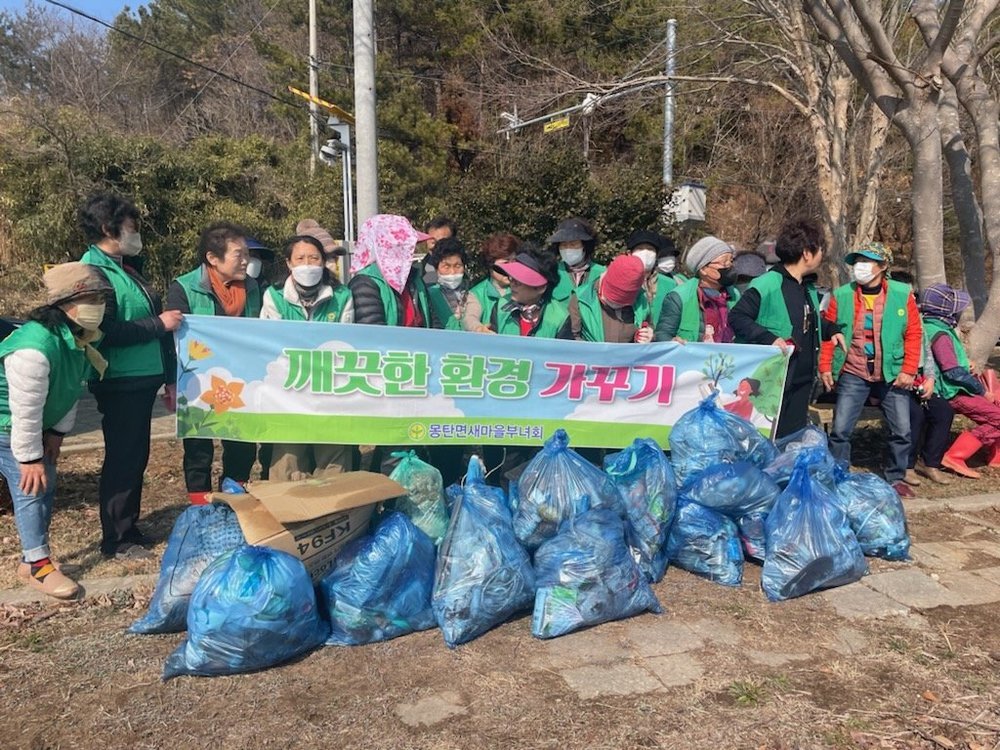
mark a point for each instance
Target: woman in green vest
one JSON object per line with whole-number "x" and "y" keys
{"x": 44, "y": 365}
{"x": 449, "y": 295}
{"x": 138, "y": 344}
{"x": 531, "y": 310}
{"x": 698, "y": 309}
{"x": 941, "y": 307}
{"x": 573, "y": 244}
{"x": 484, "y": 297}
{"x": 309, "y": 293}
{"x": 387, "y": 287}
{"x": 608, "y": 310}
{"x": 218, "y": 286}
{"x": 659, "y": 257}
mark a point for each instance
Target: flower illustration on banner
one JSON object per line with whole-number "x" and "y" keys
{"x": 198, "y": 350}
{"x": 223, "y": 396}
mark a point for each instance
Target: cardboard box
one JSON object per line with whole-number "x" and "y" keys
{"x": 311, "y": 519}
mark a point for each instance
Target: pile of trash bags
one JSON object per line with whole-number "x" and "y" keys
{"x": 574, "y": 545}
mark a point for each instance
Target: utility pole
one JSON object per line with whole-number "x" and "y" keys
{"x": 313, "y": 90}
{"x": 668, "y": 105}
{"x": 365, "y": 133}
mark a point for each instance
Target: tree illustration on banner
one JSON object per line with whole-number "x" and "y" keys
{"x": 770, "y": 374}
{"x": 718, "y": 367}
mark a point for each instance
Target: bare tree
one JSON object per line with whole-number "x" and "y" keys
{"x": 908, "y": 95}
{"x": 960, "y": 62}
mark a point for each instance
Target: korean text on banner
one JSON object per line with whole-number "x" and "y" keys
{"x": 297, "y": 382}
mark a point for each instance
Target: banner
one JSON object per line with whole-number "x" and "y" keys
{"x": 276, "y": 381}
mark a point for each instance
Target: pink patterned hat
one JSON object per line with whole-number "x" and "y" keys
{"x": 388, "y": 241}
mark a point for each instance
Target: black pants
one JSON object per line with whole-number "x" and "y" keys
{"x": 237, "y": 461}
{"x": 125, "y": 422}
{"x": 932, "y": 418}
{"x": 794, "y": 408}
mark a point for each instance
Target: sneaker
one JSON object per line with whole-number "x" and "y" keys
{"x": 130, "y": 551}
{"x": 55, "y": 584}
{"x": 904, "y": 490}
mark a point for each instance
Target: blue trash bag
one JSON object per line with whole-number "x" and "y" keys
{"x": 810, "y": 544}
{"x": 875, "y": 513}
{"x": 646, "y": 481}
{"x": 586, "y": 575}
{"x": 484, "y": 575}
{"x": 424, "y": 502}
{"x": 380, "y": 585}
{"x": 706, "y": 543}
{"x": 708, "y": 434}
{"x": 253, "y": 608}
{"x": 200, "y": 534}
{"x": 739, "y": 491}
{"x": 556, "y": 485}
{"x": 790, "y": 446}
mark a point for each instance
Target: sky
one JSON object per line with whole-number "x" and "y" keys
{"x": 106, "y": 10}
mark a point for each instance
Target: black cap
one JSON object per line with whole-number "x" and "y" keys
{"x": 644, "y": 237}
{"x": 572, "y": 230}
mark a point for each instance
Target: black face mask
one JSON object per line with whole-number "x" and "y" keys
{"x": 727, "y": 277}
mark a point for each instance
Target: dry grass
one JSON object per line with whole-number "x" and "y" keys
{"x": 71, "y": 678}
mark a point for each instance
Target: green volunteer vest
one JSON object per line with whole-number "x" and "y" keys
{"x": 692, "y": 323}
{"x": 136, "y": 360}
{"x": 664, "y": 285}
{"x": 390, "y": 304}
{"x": 773, "y": 313}
{"x": 442, "y": 309}
{"x": 932, "y": 327}
{"x": 327, "y": 311}
{"x": 562, "y": 290}
{"x": 592, "y": 319}
{"x": 554, "y": 316}
{"x": 489, "y": 298}
{"x": 202, "y": 301}
{"x": 893, "y": 325}
{"x": 68, "y": 370}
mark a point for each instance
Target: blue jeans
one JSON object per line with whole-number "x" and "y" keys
{"x": 852, "y": 392}
{"x": 32, "y": 513}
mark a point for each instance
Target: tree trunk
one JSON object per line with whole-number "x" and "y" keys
{"x": 963, "y": 198}
{"x": 925, "y": 197}
{"x": 878, "y": 132}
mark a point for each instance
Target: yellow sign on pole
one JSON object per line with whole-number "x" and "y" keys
{"x": 330, "y": 107}
{"x": 553, "y": 125}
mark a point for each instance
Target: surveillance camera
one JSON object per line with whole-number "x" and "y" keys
{"x": 330, "y": 151}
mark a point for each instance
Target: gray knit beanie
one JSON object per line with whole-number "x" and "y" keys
{"x": 704, "y": 251}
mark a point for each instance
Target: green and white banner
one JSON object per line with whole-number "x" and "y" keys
{"x": 276, "y": 381}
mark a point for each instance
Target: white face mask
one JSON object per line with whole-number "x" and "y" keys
{"x": 88, "y": 315}
{"x": 667, "y": 265}
{"x": 451, "y": 280}
{"x": 648, "y": 258}
{"x": 130, "y": 243}
{"x": 863, "y": 272}
{"x": 571, "y": 256}
{"x": 254, "y": 266}
{"x": 307, "y": 276}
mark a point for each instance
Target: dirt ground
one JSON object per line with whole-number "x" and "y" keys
{"x": 70, "y": 677}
